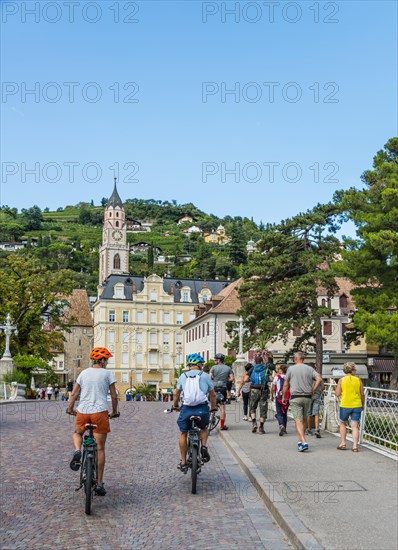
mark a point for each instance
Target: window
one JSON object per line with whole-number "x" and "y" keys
{"x": 153, "y": 338}
{"x": 179, "y": 358}
{"x": 153, "y": 358}
{"x": 125, "y": 316}
{"x": 125, "y": 358}
{"x": 138, "y": 377}
{"x": 166, "y": 359}
{"x": 327, "y": 328}
{"x": 166, "y": 317}
{"x": 179, "y": 339}
{"x": 125, "y": 378}
{"x": 61, "y": 365}
{"x": 343, "y": 301}
{"x": 152, "y": 317}
{"x": 185, "y": 296}
{"x": 191, "y": 316}
{"x": 125, "y": 337}
{"x": 116, "y": 261}
{"x": 140, "y": 317}
{"x": 207, "y": 355}
{"x": 208, "y": 328}
{"x": 138, "y": 358}
{"x": 179, "y": 318}
{"x": 297, "y": 331}
{"x": 138, "y": 337}
{"x": 111, "y": 337}
{"x": 165, "y": 377}
{"x": 196, "y": 333}
{"x": 153, "y": 295}
{"x": 112, "y": 316}
{"x": 187, "y": 336}
{"x": 166, "y": 338}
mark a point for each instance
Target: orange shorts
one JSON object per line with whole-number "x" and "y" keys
{"x": 101, "y": 419}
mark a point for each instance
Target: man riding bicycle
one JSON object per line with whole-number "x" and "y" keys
{"x": 93, "y": 385}
{"x": 222, "y": 375}
{"x": 195, "y": 403}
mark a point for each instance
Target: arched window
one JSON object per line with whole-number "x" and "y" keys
{"x": 116, "y": 261}
{"x": 110, "y": 214}
{"x": 117, "y": 224}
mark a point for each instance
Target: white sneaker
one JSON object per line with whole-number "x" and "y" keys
{"x": 245, "y": 418}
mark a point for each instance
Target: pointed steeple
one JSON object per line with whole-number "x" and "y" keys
{"x": 115, "y": 199}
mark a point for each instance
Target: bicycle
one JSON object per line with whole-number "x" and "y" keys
{"x": 193, "y": 459}
{"x": 88, "y": 469}
{"x": 214, "y": 415}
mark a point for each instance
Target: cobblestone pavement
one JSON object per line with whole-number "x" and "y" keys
{"x": 148, "y": 503}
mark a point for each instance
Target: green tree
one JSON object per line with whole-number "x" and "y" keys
{"x": 237, "y": 246}
{"x": 371, "y": 260}
{"x": 32, "y": 218}
{"x": 281, "y": 291}
{"x": 35, "y": 299}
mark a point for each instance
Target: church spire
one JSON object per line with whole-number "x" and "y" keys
{"x": 115, "y": 199}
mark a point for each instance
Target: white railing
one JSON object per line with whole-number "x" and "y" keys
{"x": 379, "y": 421}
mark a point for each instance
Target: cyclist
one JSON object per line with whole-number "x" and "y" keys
{"x": 221, "y": 375}
{"x": 93, "y": 384}
{"x": 204, "y": 391}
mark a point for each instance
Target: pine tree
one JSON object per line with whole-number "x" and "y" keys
{"x": 371, "y": 260}
{"x": 237, "y": 247}
{"x": 281, "y": 291}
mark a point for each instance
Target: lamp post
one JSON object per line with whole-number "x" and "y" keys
{"x": 8, "y": 329}
{"x": 241, "y": 332}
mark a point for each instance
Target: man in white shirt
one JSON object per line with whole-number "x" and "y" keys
{"x": 93, "y": 385}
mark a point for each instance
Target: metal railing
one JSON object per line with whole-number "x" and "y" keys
{"x": 379, "y": 421}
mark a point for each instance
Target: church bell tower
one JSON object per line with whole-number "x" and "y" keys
{"x": 114, "y": 252}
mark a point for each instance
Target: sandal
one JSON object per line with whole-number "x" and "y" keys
{"x": 355, "y": 450}
{"x": 341, "y": 447}
{"x": 182, "y": 467}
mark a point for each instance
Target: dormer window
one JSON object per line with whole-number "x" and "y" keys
{"x": 186, "y": 294}
{"x": 153, "y": 296}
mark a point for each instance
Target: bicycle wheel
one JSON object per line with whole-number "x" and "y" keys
{"x": 194, "y": 467}
{"x": 88, "y": 483}
{"x": 214, "y": 420}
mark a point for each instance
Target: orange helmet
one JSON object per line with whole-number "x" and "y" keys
{"x": 100, "y": 353}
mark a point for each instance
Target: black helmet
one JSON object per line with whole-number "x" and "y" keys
{"x": 220, "y": 356}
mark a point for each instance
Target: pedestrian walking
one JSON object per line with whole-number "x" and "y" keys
{"x": 302, "y": 380}
{"x": 56, "y": 392}
{"x": 350, "y": 389}
{"x": 259, "y": 393}
{"x": 43, "y": 393}
{"x": 244, "y": 390}
{"x": 276, "y": 393}
{"x": 49, "y": 392}
{"x": 314, "y": 412}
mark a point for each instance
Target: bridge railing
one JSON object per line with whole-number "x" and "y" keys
{"x": 379, "y": 421}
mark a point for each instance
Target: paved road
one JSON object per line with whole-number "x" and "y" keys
{"x": 148, "y": 505}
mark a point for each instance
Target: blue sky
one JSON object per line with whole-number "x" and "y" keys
{"x": 164, "y": 115}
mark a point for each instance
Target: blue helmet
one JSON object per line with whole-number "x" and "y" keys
{"x": 194, "y": 359}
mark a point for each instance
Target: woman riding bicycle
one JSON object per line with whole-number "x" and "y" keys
{"x": 93, "y": 385}
{"x": 198, "y": 390}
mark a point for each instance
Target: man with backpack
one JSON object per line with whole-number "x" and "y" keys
{"x": 221, "y": 375}
{"x": 259, "y": 392}
{"x": 197, "y": 388}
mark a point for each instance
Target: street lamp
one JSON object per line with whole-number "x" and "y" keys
{"x": 8, "y": 329}
{"x": 242, "y": 330}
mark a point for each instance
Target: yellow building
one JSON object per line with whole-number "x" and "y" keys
{"x": 218, "y": 236}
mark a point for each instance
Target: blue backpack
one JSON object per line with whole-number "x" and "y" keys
{"x": 259, "y": 375}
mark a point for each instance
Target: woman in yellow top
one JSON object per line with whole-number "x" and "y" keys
{"x": 350, "y": 389}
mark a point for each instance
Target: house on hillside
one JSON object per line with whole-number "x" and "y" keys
{"x": 184, "y": 219}
{"x": 192, "y": 229}
{"x": 135, "y": 226}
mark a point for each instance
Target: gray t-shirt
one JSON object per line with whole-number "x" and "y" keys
{"x": 301, "y": 378}
{"x": 94, "y": 386}
{"x": 221, "y": 374}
